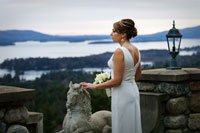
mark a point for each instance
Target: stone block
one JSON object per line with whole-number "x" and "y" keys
{"x": 173, "y": 89}
{"x": 35, "y": 122}
{"x": 194, "y": 73}
{"x": 2, "y": 127}
{"x": 195, "y": 102}
{"x": 194, "y": 121}
{"x": 151, "y": 109}
{"x": 17, "y": 129}
{"x": 177, "y": 105}
{"x": 2, "y": 112}
{"x": 173, "y": 131}
{"x": 184, "y": 74}
{"x": 186, "y": 130}
{"x": 14, "y": 94}
{"x": 145, "y": 86}
{"x": 19, "y": 114}
{"x": 196, "y": 131}
{"x": 164, "y": 75}
{"x": 175, "y": 122}
{"x": 195, "y": 86}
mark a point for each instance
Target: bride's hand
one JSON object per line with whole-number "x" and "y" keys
{"x": 87, "y": 85}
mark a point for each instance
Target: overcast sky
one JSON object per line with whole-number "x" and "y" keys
{"x": 78, "y": 17}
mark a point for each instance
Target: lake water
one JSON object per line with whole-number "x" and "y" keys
{"x": 78, "y": 49}
{"x": 67, "y": 49}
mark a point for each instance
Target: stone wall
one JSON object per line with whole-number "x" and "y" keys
{"x": 182, "y": 108}
{"x": 14, "y": 116}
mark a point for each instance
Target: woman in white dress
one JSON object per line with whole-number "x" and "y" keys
{"x": 125, "y": 62}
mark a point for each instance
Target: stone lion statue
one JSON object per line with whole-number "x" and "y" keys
{"x": 79, "y": 118}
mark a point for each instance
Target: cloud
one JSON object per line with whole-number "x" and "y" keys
{"x": 73, "y": 14}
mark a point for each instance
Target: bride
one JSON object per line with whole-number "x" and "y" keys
{"x": 126, "y": 66}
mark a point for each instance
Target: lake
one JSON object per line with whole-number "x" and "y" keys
{"x": 75, "y": 49}
{"x": 67, "y": 49}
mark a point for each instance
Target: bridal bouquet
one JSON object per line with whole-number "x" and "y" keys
{"x": 101, "y": 78}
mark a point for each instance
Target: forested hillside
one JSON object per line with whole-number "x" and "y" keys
{"x": 159, "y": 58}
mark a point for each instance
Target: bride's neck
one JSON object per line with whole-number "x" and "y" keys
{"x": 125, "y": 43}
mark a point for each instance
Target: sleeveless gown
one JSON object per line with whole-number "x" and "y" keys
{"x": 125, "y": 105}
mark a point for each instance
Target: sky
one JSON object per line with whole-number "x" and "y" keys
{"x": 88, "y": 17}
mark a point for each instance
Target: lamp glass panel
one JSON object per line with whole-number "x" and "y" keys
{"x": 174, "y": 44}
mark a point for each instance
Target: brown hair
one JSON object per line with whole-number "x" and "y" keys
{"x": 126, "y": 26}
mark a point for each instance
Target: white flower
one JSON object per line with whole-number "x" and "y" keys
{"x": 107, "y": 74}
{"x": 101, "y": 78}
{"x": 108, "y": 92}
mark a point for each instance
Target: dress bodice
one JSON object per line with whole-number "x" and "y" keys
{"x": 129, "y": 67}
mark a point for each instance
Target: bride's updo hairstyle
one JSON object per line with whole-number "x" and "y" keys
{"x": 126, "y": 26}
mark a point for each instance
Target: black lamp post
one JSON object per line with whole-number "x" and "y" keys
{"x": 173, "y": 39}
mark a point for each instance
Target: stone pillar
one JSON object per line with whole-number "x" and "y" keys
{"x": 14, "y": 116}
{"x": 182, "y": 109}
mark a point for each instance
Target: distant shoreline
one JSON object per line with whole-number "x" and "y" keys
{"x": 9, "y": 37}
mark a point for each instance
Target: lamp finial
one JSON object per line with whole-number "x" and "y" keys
{"x": 173, "y": 23}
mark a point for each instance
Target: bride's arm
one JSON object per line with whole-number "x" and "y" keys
{"x": 138, "y": 73}
{"x": 118, "y": 60}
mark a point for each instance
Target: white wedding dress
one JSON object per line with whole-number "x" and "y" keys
{"x": 126, "y": 117}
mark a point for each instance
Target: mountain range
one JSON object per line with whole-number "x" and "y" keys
{"x": 9, "y": 37}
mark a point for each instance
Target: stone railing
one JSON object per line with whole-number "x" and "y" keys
{"x": 177, "y": 108}
{"x": 14, "y": 116}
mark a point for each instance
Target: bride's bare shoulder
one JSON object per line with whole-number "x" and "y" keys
{"x": 118, "y": 51}
{"x": 118, "y": 54}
